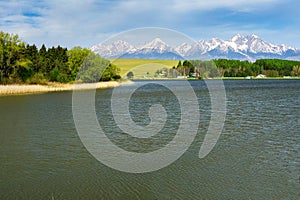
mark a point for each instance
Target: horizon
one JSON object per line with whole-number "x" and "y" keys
{"x": 77, "y": 23}
{"x": 151, "y": 40}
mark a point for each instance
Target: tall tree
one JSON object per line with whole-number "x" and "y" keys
{"x": 76, "y": 57}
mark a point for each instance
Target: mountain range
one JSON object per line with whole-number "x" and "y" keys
{"x": 239, "y": 47}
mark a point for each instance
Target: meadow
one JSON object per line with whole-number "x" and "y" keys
{"x": 142, "y": 67}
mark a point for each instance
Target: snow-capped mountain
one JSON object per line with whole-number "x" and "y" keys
{"x": 238, "y": 47}
{"x": 112, "y": 50}
{"x": 156, "y": 49}
{"x": 157, "y": 44}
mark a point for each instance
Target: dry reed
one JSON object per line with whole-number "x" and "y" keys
{"x": 52, "y": 87}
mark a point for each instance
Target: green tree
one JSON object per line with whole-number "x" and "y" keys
{"x": 12, "y": 58}
{"x": 130, "y": 75}
{"x": 76, "y": 57}
{"x": 43, "y": 61}
{"x": 179, "y": 63}
{"x": 110, "y": 73}
{"x": 296, "y": 70}
{"x": 92, "y": 68}
{"x": 20, "y": 62}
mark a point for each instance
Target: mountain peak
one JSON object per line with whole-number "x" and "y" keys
{"x": 120, "y": 42}
{"x": 236, "y": 37}
{"x": 254, "y": 36}
{"x": 249, "y": 47}
{"x": 156, "y": 42}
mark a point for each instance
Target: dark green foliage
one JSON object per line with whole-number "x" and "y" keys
{"x": 116, "y": 77}
{"x": 196, "y": 69}
{"x": 237, "y": 68}
{"x": 179, "y": 64}
{"x": 282, "y": 67}
{"x": 269, "y": 67}
{"x": 110, "y": 73}
{"x": 20, "y": 63}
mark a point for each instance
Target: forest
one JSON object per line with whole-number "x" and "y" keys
{"x": 236, "y": 68}
{"x": 24, "y": 63}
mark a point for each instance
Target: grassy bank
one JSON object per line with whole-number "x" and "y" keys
{"x": 54, "y": 87}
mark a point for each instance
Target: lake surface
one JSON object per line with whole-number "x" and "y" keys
{"x": 256, "y": 157}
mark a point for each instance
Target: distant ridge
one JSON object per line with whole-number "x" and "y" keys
{"x": 239, "y": 47}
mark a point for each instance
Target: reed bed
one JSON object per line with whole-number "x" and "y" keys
{"x": 53, "y": 87}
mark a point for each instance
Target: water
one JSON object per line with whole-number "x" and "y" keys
{"x": 256, "y": 157}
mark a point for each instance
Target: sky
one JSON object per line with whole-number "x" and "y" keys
{"x": 84, "y": 23}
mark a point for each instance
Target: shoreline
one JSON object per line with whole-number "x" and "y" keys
{"x": 23, "y": 89}
{"x": 217, "y": 78}
{"x": 20, "y": 89}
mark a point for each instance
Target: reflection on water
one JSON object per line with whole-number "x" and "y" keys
{"x": 256, "y": 157}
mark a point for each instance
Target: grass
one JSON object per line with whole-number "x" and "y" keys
{"x": 141, "y": 67}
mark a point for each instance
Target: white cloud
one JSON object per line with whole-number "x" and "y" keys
{"x": 215, "y": 4}
{"x": 76, "y": 22}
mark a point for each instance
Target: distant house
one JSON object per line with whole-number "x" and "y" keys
{"x": 181, "y": 77}
{"x": 261, "y": 76}
{"x": 194, "y": 75}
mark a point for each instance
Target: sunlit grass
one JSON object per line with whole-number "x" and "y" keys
{"x": 141, "y": 67}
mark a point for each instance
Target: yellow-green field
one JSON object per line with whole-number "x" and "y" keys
{"x": 140, "y": 67}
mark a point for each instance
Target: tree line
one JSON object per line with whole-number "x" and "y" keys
{"x": 25, "y": 63}
{"x": 234, "y": 68}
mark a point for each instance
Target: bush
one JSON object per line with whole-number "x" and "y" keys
{"x": 116, "y": 77}
{"x": 54, "y": 73}
{"x": 63, "y": 78}
{"x": 37, "y": 78}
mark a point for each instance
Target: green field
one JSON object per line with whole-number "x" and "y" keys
{"x": 142, "y": 67}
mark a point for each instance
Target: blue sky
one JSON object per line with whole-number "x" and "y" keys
{"x": 87, "y": 22}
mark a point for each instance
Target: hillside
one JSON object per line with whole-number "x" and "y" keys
{"x": 140, "y": 67}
